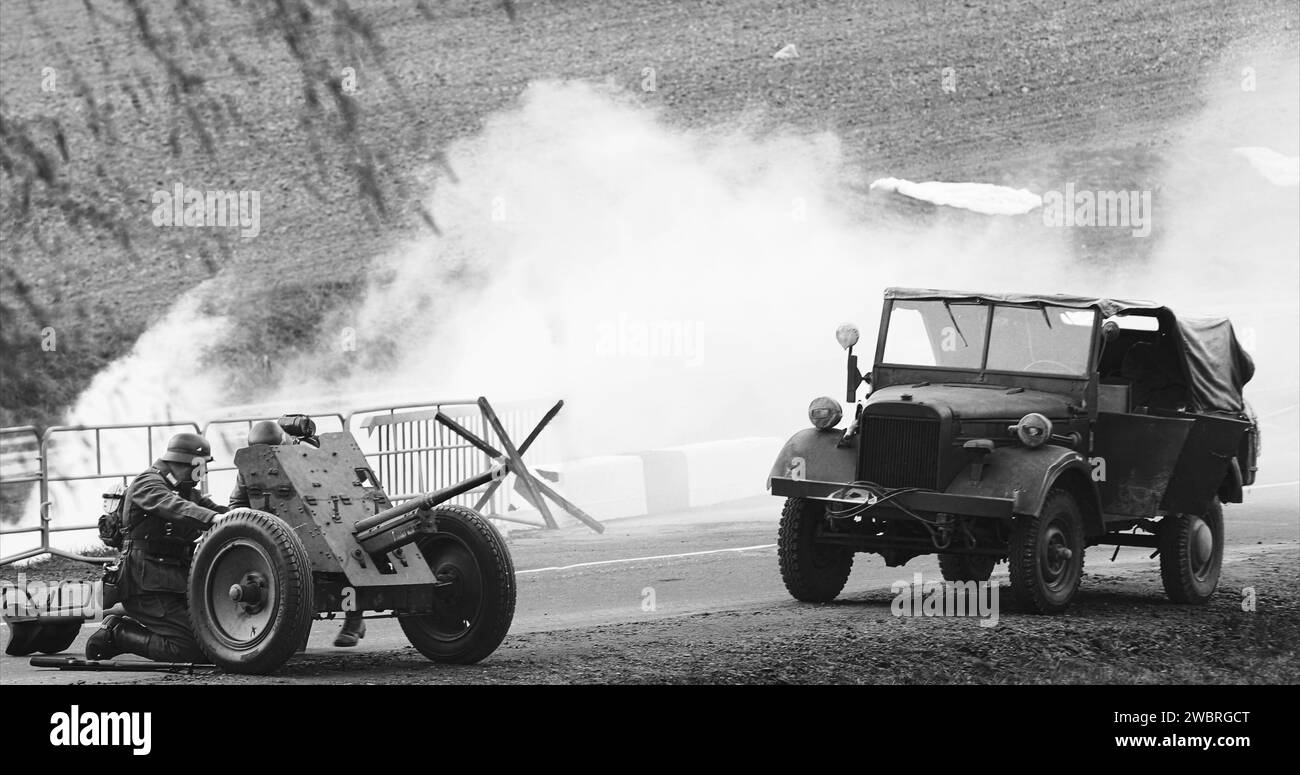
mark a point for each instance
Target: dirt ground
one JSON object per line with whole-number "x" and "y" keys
{"x": 724, "y": 618}
{"x": 1117, "y": 631}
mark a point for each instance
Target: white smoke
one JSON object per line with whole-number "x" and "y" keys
{"x": 162, "y": 381}
{"x": 678, "y": 285}
{"x": 672, "y": 285}
{"x": 162, "y": 378}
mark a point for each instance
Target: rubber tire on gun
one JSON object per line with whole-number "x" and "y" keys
{"x": 471, "y": 616}
{"x": 255, "y": 638}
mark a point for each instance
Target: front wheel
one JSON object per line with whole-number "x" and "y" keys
{"x": 474, "y": 609}
{"x": 812, "y": 572}
{"x": 1191, "y": 554}
{"x": 250, "y": 592}
{"x": 1046, "y": 555}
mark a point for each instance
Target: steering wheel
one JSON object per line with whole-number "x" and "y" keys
{"x": 1061, "y": 368}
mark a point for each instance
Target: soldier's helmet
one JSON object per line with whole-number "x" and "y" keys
{"x": 184, "y": 447}
{"x": 265, "y": 432}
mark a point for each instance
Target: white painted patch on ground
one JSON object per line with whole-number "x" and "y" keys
{"x": 984, "y": 198}
{"x": 1277, "y": 168}
{"x": 1269, "y": 486}
{"x": 625, "y": 560}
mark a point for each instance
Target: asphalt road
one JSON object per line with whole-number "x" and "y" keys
{"x": 717, "y": 559}
{"x": 723, "y": 558}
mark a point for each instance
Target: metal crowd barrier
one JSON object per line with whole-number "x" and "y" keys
{"x": 410, "y": 452}
{"x": 155, "y": 435}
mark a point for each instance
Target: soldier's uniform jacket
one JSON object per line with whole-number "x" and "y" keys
{"x": 162, "y": 523}
{"x": 239, "y": 498}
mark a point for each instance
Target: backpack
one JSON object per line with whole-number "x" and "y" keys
{"x": 112, "y": 523}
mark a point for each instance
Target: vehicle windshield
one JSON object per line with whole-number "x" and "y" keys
{"x": 1042, "y": 339}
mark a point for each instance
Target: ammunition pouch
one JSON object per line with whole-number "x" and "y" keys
{"x": 156, "y": 565}
{"x": 110, "y": 530}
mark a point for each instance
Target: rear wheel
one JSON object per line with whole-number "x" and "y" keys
{"x": 473, "y": 611}
{"x": 1191, "y": 554}
{"x": 250, "y": 592}
{"x": 812, "y": 572}
{"x": 966, "y": 567}
{"x": 1046, "y": 555}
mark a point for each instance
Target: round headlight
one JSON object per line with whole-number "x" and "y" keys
{"x": 1034, "y": 430}
{"x": 824, "y": 413}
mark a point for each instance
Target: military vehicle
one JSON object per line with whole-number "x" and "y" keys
{"x": 1023, "y": 428}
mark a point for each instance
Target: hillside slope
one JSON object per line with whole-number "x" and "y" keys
{"x": 1044, "y": 91}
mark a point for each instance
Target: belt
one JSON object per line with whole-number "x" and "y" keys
{"x": 168, "y": 547}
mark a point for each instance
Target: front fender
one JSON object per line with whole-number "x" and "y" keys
{"x": 1026, "y": 475}
{"x": 813, "y": 454}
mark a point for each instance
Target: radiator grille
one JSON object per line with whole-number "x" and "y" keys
{"x": 900, "y": 451}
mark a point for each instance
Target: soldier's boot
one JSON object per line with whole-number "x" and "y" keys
{"x": 353, "y": 630}
{"x": 102, "y": 644}
{"x": 130, "y": 637}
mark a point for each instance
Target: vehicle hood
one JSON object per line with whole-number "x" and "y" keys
{"x": 976, "y": 401}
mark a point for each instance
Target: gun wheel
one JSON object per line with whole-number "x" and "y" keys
{"x": 250, "y": 592}
{"x": 475, "y": 605}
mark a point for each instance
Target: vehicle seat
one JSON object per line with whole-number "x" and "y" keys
{"x": 1137, "y": 359}
{"x": 1156, "y": 381}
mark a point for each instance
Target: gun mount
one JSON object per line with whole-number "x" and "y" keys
{"x": 322, "y": 536}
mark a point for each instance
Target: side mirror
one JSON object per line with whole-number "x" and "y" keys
{"x": 855, "y": 378}
{"x": 847, "y": 335}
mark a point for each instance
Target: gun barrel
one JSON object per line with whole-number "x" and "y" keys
{"x": 426, "y": 501}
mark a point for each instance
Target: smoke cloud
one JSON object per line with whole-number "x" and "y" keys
{"x": 677, "y": 285}
{"x": 671, "y": 285}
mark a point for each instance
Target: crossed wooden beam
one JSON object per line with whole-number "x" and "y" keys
{"x": 512, "y": 459}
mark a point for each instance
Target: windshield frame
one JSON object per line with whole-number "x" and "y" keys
{"x": 983, "y": 370}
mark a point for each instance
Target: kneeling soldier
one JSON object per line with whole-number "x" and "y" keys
{"x": 165, "y": 513}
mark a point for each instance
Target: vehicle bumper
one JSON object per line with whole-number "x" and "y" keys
{"x": 919, "y": 500}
